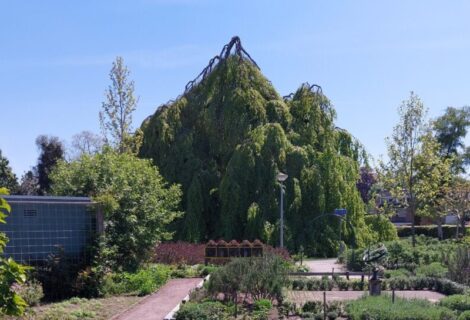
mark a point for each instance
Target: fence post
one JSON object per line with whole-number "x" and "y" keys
{"x": 324, "y": 305}
{"x": 347, "y": 275}
{"x": 393, "y": 295}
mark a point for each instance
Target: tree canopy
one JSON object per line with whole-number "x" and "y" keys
{"x": 226, "y": 138}
{"x": 138, "y": 204}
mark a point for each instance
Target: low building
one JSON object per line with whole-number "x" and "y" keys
{"x": 39, "y": 226}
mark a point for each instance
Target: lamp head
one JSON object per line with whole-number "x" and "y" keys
{"x": 281, "y": 177}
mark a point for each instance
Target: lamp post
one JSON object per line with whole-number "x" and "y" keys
{"x": 281, "y": 177}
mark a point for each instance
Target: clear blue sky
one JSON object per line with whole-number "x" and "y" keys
{"x": 367, "y": 55}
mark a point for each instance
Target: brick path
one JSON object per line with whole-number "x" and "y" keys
{"x": 300, "y": 297}
{"x": 159, "y": 304}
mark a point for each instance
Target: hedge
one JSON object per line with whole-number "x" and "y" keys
{"x": 448, "y": 231}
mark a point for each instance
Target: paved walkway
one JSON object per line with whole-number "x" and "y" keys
{"x": 324, "y": 265}
{"x": 159, "y": 304}
{"x": 300, "y": 297}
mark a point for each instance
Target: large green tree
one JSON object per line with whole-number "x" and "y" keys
{"x": 451, "y": 129}
{"x": 137, "y": 202}
{"x": 7, "y": 177}
{"x": 226, "y": 138}
{"x": 51, "y": 151}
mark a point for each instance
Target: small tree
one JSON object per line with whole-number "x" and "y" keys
{"x": 399, "y": 173}
{"x": 116, "y": 115}
{"x": 431, "y": 180}
{"x": 457, "y": 200}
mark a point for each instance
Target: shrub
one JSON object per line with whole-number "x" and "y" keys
{"x": 464, "y": 316}
{"x": 381, "y": 307}
{"x": 179, "y": 253}
{"x": 434, "y": 269}
{"x": 357, "y": 285}
{"x": 342, "y": 284}
{"x": 202, "y": 311}
{"x": 457, "y": 302}
{"x": 263, "y": 304}
{"x": 206, "y": 270}
{"x": 459, "y": 265}
{"x": 448, "y": 231}
{"x": 332, "y": 315}
{"x": 31, "y": 292}
{"x": 313, "y": 307}
{"x": 261, "y": 277}
{"x": 298, "y": 284}
{"x": 314, "y": 284}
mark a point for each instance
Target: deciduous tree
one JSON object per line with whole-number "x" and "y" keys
{"x": 399, "y": 174}
{"x": 7, "y": 177}
{"x": 116, "y": 114}
{"x": 51, "y": 151}
{"x": 138, "y": 204}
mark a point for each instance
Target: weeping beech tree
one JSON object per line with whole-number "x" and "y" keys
{"x": 226, "y": 138}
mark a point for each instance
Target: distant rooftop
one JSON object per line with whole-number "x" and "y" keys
{"x": 47, "y": 199}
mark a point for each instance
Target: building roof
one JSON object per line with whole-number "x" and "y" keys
{"x": 47, "y": 199}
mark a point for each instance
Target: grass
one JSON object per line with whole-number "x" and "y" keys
{"x": 80, "y": 308}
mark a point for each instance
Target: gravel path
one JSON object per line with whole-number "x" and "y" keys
{"x": 300, "y": 297}
{"x": 159, "y": 304}
{"x": 324, "y": 265}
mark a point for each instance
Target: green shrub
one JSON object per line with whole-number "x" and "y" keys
{"x": 448, "y": 231}
{"x": 457, "y": 302}
{"x": 31, "y": 292}
{"x": 434, "y": 270}
{"x": 382, "y": 308}
{"x": 313, "y": 284}
{"x": 312, "y": 306}
{"x": 343, "y": 284}
{"x": 459, "y": 265}
{"x": 396, "y": 273}
{"x": 357, "y": 285}
{"x": 263, "y": 304}
{"x": 143, "y": 282}
{"x": 298, "y": 284}
{"x": 206, "y": 270}
{"x": 202, "y": 311}
{"x": 464, "y": 316}
{"x": 332, "y": 315}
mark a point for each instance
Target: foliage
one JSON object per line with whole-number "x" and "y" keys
{"x": 29, "y": 183}
{"x": 383, "y": 229}
{"x": 381, "y": 307}
{"x": 51, "y": 152}
{"x": 457, "y": 302}
{"x": 7, "y": 177}
{"x": 116, "y": 114}
{"x": 10, "y": 272}
{"x": 31, "y": 292}
{"x": 226, "y": 139}
{"x": 432, "y": 180}
{"x": 260, "y": 277}
{"x": 86, "y": 142}
{"x": 179, "y": 253}
{"x": 457, "y": 200}
{"x": 138, "y": 204}
{"x": 202, "y": 311}
{"x": 459, "y": 265}
{"x": 448, "y": 231}
{"x": 398, "y": 175}
{"x": 451, "y": 130}
{"x": 434, "y": 269}
{"x": 464, "y": 315}
{"x": 367, "y": 179}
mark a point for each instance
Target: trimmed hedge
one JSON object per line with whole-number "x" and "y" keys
{"x": 448, "y": 231}
{"x": 382, "y": 308}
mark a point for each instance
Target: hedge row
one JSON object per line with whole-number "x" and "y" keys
{"x": 448, "y": 231}
{"x": 442, "y": 285}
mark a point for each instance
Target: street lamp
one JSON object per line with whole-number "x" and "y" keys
{"x": 281, "y": 177}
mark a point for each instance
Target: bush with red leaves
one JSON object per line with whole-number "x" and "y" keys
{"x": 179, "y": 253}
{"x": 281, "y": 252}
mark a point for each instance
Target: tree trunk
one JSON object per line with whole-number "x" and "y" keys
{"x": 413, "y": 229}
{"x": 440, "y": 234}
{"x": 462, "y": 224}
